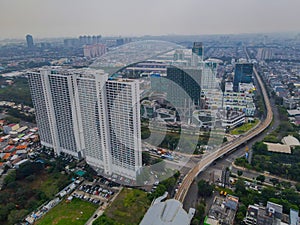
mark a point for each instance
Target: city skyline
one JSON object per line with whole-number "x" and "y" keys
{"x": 134, "y": 18}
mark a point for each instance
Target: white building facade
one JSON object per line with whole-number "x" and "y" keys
{"x": 82, "y": 113}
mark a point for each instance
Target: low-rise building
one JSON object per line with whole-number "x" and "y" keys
{"x": 277, "y": 147}
{"x": 231, "y": 119}
{"x": 290, "y": 141}
{"x": 272, "y": 214}
{"x": 238, "y": 101}
{"x": 293, "y": 112}
{"x": 222, "y": 211}
{"x": 10, "y": 127}
{"x": 218, "y": 118}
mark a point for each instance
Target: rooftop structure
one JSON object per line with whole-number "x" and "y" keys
{"x": 223, "y": 211}
{"x": 242, "y": 74}
{"x": 290, "y": 141}
{"x": 294, "y": 217}
{"x": 294, "y": 112}
{"x": 169, "y": 212}
{"x": 269, "y": 215}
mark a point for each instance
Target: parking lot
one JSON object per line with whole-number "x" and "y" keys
{"x": 98, "y": 192}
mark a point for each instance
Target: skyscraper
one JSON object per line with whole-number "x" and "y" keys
{"x": 242, "y": 74}
{"x": 82, "y": 113}
{"x": 29, "y": 40}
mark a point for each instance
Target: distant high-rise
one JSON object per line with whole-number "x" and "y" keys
{"x": 119, "y": 41}
{"x": 29, "y": 40}
{"x": 185, "y": 86}
{"x": 264, "y": 53}
{"x": 242, "y": 74}
{"x": 82, "y": 113}
{"x": 208, "y": 78}
{"x": 198, "y": 48}
{"x": 88, "y": 40}
{"x": 92, "y": 51}
{"x": 198, "y": 53}
{"x": 71, "y": 43}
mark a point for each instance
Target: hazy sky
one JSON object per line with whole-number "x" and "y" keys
{"x": 62, "y": 18}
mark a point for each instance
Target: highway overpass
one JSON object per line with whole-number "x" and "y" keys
{"x": 206, "y": 161}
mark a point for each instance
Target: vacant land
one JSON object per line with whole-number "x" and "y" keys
{"x": 26, "y": 189}
{"x": 18, "y": 92}
{"x": 76, "y": 212}
{"x": 129, "y": 207}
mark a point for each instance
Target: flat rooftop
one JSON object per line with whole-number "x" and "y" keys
{"x": 279, "y": 148}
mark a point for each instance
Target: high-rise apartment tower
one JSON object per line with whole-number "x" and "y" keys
{"x": 87, "y": 115}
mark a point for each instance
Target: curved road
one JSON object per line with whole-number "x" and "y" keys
{"x": 188, "y": 179}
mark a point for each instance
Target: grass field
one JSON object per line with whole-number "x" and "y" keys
{"x": 244, "y": 128}
{"x": 76, "y": 212}
{"x": 129, "y": 207}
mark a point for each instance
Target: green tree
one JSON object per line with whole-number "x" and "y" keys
{"x": 3, "y": 213}
{"x": 242, "y": 161}
{"x": 16, "y": 216}
{"x": 285, "y": 127}
{"x": 195, "y": 221}
{"x": 239, "y": 217}
{"x": 28, "y": 169}
{"x": 146, "y": 158}
{"x": 298, "y": 186}
{"x": 243, "y": 209}
{"x": 267, "y": 193}
{"x": 239, "y": 173}
{"x": 10, "y": 177}
{"x": 205, "y": 189}
{"x": 160, "y": 190}
{"x": 5, "y": 210}
{"x": 169, "y": 183}
{"x": 260, "y": 148}
{"x": 11, "y": 119}
{"x": 200, "y": 211}
{"x": 274, "y": 181}
{"x": 261, "y": 178}
{"x": 240, "y": 188}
